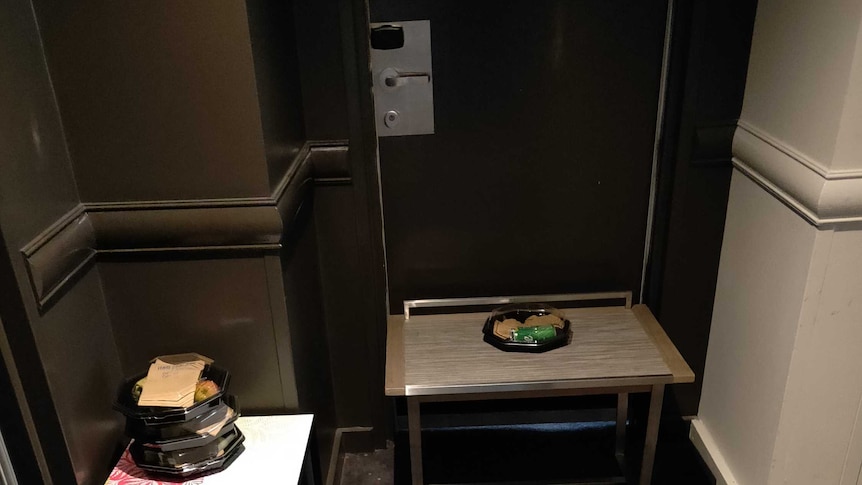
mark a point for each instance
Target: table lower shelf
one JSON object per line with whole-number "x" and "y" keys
{"x": 540, "y": 454}
{"x": 509, "y": 455}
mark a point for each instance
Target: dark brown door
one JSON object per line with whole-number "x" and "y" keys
{"x": 537, "y": 178}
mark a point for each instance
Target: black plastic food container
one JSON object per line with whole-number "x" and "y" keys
{"x": 151, "y": 415}
{"x": 521, "y": 312}
{"x": 187, "y": 440}
{"x": 151, "y": 454}
{"x": 217, "y": 411}
{"x": 193, "y": 461}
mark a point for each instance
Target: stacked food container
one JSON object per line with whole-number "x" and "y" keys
{"x": 183, "y": 441}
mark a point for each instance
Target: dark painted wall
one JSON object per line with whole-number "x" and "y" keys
{"x": 712, "y": 44}
{"x": 14, "y": 425}
{"x": 62, "y": 361}
{"x": 169, "y": 104}
{"x": 319, "y": 37}
{"x": 158, "y": 98}
{"x": 140, "y": 89}
{"x": 308, "y": 332}
{"x": 537, "y": 177}
{"x": 332, "y": 49}
{"x": 217, "y": 307}
{"x": 77, "y": 350}
{"x": 273, "y": 40}
{"x": 351, "y": 328}
{"x": 35, "y": 163}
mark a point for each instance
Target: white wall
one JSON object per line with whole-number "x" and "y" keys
{"x": 799, "y": 72}
{"x": 848, "y": 146}
{"x": 761, "y": 281}
{"x": 816, "y": 438}
{"x": 782, "y": 393}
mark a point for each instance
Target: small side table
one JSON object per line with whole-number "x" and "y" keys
{"x": 276, "y": 451}
{"x": 614, "y": 350}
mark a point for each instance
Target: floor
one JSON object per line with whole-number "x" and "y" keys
{"x": 377, "y": 468}
{"x": 545, "y": 453}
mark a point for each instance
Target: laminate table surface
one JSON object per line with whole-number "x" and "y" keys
{"x": 610, "y": 346}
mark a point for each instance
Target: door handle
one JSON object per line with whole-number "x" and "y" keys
{"x": 392, "y": 78}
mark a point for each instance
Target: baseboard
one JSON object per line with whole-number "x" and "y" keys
{"x": 335, "y": 461}
{"x": 706, "y": 446}
{"x": 360, "y": 440}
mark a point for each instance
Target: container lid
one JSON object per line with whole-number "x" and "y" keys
{"x": 527, "y": 327}
{"x": 126, "y": 404}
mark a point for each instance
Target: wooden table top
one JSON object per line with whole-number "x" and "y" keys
{"x": 610, "y": 347}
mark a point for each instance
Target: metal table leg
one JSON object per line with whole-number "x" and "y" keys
{"x": 656, "y": 398}
{"x": 414, "y": 426}
{"x": 622, "y": 418}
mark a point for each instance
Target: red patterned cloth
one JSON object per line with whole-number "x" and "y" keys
{"x": 127, "y": 473}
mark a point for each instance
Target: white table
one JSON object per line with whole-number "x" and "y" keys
{"x": 275, "y": 452}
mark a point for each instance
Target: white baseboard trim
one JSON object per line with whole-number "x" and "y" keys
{"x": 705, "y": 445}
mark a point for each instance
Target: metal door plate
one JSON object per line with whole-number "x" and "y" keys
{"x": 410, "y": 89}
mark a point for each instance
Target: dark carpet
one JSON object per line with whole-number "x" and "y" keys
{"x": 532, "y": 454}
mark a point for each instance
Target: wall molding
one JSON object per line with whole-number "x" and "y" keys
{"x": 809, "y": 162}
{"x": 60, "y": 253}
{"x": 331, "y": 162}
{"x": 66, "y": 248}
{"x": 712, "y": 144}
{"x": 820, "y": 196}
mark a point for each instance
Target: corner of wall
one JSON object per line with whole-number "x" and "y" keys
{"x": 848, "y": 145}
{"x": 795, "y": 389}
{"x": 761, "y": 281}
{"x": 703, "y": 441}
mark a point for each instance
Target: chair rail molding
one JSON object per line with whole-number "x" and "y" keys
{"x": 823, "y": 197}
{"x": 60, "y": 253}
{"x": 68, "y": 246}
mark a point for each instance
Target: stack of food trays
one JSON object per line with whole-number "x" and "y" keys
{"x": 181, "y": 442}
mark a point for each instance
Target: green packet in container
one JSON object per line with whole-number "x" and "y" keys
{"x": 530, "y": 335}
{"x": 527, "y": 327}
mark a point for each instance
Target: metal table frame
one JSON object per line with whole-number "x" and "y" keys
{"x": 678, "y": 372}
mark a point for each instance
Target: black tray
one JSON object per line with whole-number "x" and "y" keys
{"x": 207, "y": 466}
{"x": 125, "y": 404}
{"x": 520, "y": 312}
{"x": 144, "y": 454}
{"x": 187, "y": 441}
{"x": 215, "y": 412}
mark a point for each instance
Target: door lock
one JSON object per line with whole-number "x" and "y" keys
{"x": 402, "y": 78}
{"x": 391, "y": 118}
{"x": 387, "y": 37}
{"x": 392, "y": 78}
